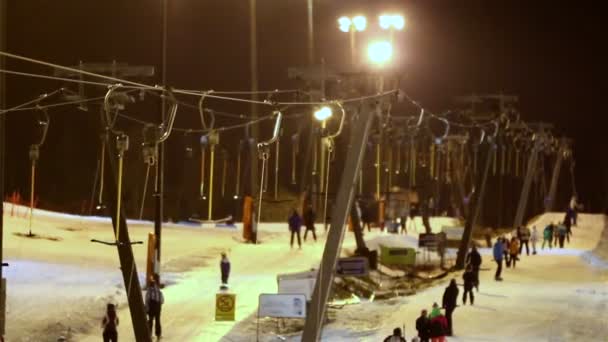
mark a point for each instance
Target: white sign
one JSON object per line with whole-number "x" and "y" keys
{"x": 453, "y": 233}
{"x": 282, "y": 305}
{"x": 303, "y": 282}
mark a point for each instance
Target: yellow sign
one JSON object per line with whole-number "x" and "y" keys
{"x": 225, "y": 306}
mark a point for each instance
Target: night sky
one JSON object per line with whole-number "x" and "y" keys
{"x": 546, "y": 53}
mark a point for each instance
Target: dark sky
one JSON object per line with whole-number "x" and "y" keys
{"x": 546, "y": 53}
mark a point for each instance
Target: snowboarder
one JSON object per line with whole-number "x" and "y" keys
{"x": 562, "y": 232}
{"x": 438, "y": 325}
{"x": 469, "y": 281}
{"x": 524, "y": 237}
{"x": 548, "y": 236}
{"x": 450, "y": 297}
{"x": 154, "y": 302}
{"x": 295, "y": 224}
{"x": 534, "y": 239}
{"x": 109, "y": 324}
{"x": 397, "y": 336}
{"x": 225, "y": 269}
{"x": 309, "y": 222}
{"x": 474, "y": 260}
{"x": 498, "y": 253}
{"x": 568, "y": 224}
{"x": 423, "y": 326}
{"x": 514, "y": 251}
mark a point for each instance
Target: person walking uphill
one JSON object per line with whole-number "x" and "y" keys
{"x": 524, "y": 237}
{"x": 450, "y": 297}
{"x": 423, "y": 326}
{"x": 474, "y": 260}
{"x": 225, "y": 268}
{"x": 438, "y": 325}
{"x": 514, "y": 250}
{"x": 295, "y": 224}
{"x": 498, "y": 252}
{"x": 534, "y": 239}
{"x": 109, "y": 324}
{"x": 309, "y": 222}
{"x": 154, "y": 302}
{"x": 548, "y": 236}
{"x": 469, "y": 281}
{"x": 562, "y": 232}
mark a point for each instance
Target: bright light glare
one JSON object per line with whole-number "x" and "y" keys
{"x": 394, "y": 21}
{"x": 323, "y": 113}
{"x": 385, "y": 21}
{"x": 344, "y": 24}
{"x": 360, "y": 22}
{"x": 380, "y": 52}
{"x": 398, "y": 22}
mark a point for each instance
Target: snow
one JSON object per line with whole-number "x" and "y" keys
{"x": 56, "y": 286}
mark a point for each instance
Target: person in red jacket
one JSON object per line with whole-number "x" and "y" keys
{"x": 438, "y": 325}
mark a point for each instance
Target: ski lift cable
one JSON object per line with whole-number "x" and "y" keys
{"x": 137, "y": 85}
{"x": 33, "y": 101}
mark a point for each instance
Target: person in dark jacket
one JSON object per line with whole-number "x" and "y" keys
{"x": 474, "y": 259}
{"x": 397, "y": 336}
{"x": 309, "y": 221}
{"x": 110, "y": 324}
{"x": 523, "y": 233}
{"x": 562, "y": 232}
{"x": 450, "y": 297}
{"x": 497, "y": 251}
{"x": 295, "y": 224}
{"x": 469, "y": 282}
{"x": 423, "y": 326}
{"x": 154, "y": 302}
{"x": 225, "y": 268}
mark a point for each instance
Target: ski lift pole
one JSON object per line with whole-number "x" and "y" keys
{"x": 213, "y": 141}
{"x": 34, "y": 154}
{"x": 263, "y": 150}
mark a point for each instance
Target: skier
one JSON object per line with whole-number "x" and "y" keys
{"x": 309, "y": 222}
{"x": 450, "y": 297}
{"x": 548, "y": 236}
{"x": 109, "y": 324}
{"x": 295, "y": 224}
{"x": 438, "y": 325}
{"x": 154, "y": 302}
{"x": 498, "y": 253}
{"x": 225, "y": 269}
{"x": 423, "y": 326}
{"x": 574, "y": 208}
{"x": 562, "y": 232}
{"x": 514, "y": 250}
{"x": 524, "y": 237}
{"x": 474, "y": 260}
{"x": 396, "y": 336}
{"x": 469, "y": 281}
{"x": 534, "y": 239}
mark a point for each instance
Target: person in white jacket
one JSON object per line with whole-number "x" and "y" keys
{"x": 533, "y": 239}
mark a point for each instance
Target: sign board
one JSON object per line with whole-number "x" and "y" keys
{"x": 397, "y": 256}
{"x": 428, "y": 240}
{"x": 225, "y": 306}
{"x": 282, "y": 305}
{"x": 302, "y": 282}
{"x": 354, "y": 267}
{"x": 453, "y": 233}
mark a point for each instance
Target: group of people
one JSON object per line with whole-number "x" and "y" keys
{"x": 555, "y": 234}
{"x": 296, "y": 221}
{"x": 153, "y": 302}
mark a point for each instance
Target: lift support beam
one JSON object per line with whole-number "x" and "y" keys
{"x": 563, "y": 148}
{"x": 344, "y": 201}
{"x": 125, "y": 254}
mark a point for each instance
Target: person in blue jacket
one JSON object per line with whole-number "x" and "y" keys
{"x": 498, "y": 253}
